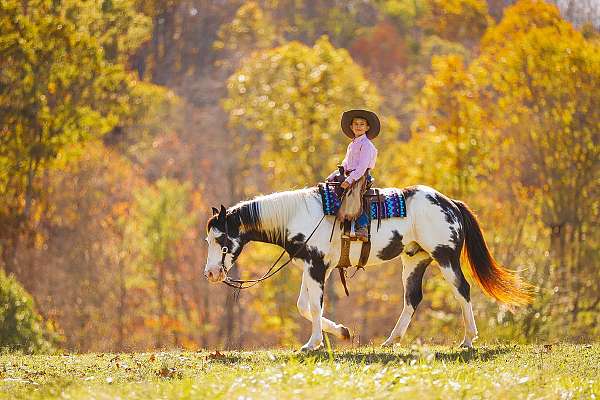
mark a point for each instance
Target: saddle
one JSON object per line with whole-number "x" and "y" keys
{"x": 358, "y": 198}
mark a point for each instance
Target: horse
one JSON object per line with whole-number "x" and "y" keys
{"x": 435, "y": 228}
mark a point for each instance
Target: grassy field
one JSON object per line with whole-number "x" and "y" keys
{"x": 561, "y": 371}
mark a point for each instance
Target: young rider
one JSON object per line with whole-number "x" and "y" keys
{"x": 361, "y": 126}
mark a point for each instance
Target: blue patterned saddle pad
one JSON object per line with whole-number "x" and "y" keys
{"x": 393, "y": 205}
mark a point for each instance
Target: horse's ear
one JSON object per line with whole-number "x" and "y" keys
{"x": 215, "y": 211}
{"x": 223, "y": 213}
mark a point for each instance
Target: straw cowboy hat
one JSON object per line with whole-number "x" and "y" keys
{"x": 370, "y": 116}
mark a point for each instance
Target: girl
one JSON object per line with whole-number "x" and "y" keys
{"x": 361, "y": 126}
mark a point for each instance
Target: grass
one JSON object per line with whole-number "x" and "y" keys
{"x": 560, "y": 371}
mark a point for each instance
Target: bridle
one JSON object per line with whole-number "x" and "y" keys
{"x": 248, "y": 283}
{"x": 225, "y": 250}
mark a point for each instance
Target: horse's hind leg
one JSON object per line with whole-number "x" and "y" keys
{"x": 449, "y": 262}
{"x": 338, "y": 330}
{"x": 412, "y": 278}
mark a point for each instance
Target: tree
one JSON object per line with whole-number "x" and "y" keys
{"x": 404, "y": 13}
{"x": 308, "y": 20}
{"x": 21, "y": 327}
{"x": 294, "y": 95}
{"x": 544, "y": 88}
{"x": 382, "y": 50}
{"x": 251, "y": 29}
{"x": 163, "y": 215}
{"x": 462, "y": 21}
{"x": 447, "y": 135}
{"x": 56, "y": 88}
{"x": 521, "y": 123}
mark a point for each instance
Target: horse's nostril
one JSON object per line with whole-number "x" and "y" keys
{"x": 209, "y": 275}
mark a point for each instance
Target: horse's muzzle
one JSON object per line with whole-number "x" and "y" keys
{"x": 214, "y": 275}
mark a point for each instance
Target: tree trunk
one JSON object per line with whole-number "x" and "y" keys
{"x": 160, "y": 287}
{"x": 121, "y": 307}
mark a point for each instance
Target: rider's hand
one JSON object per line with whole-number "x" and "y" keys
{"x": 345, "y": 185}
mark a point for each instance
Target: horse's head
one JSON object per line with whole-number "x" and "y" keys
{"x": 224, "y": 244}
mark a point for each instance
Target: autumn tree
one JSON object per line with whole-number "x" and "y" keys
{"x": 544, "y": 85}
{"x": 21, "y": 327}
{"x": 382, "y": 50}
{"x": 294, "y": 95}
{"x": 521, "y": 122}
{"x": 405, "y": 14}
{"x": 163, "y": 214}
{"x": 462, "y": 21}
{"x": 56, "y": 88}
{"x": 308, "y": 20}
{"x": 446, "y": 133}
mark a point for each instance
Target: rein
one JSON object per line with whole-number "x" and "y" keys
{"x": 248, "y": 283}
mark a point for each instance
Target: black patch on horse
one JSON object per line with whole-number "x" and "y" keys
{"x": 456, "y": 237}
{"x": 446, "y": 205}
{"x": 306, "y": 253}
{"x": 393, "y": 249}
{"x": 409, "y": 192}
{"x": 448, "y": 257}
{"x": 248, "y": 215}
{"x": 414, "y": 284}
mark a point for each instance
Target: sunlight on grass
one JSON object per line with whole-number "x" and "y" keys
{"x": 559, "y": 371}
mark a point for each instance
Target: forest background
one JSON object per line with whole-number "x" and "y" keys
{"x": 123, "y": 122}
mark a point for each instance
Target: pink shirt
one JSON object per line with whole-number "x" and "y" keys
{"x": 361, "y": 154}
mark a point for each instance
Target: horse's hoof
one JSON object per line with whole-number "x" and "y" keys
{"x": 466, "y": 345}
{"x": 387, "y": 343}
{"x": 307, "y": 349}
{"x": 345, "y": 333}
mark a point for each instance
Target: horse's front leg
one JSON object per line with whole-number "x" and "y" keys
{"x": 314, "y": 278}
{"x": 329, "y": 326}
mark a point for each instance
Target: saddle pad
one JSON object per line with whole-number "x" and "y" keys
{"x": 393, "y": 205}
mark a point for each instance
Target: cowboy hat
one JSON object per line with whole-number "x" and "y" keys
{"x": 370, "y": 116}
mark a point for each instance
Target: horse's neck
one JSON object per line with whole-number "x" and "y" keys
{"x": 257, "y": 235}
{"x": 279, "y": 234}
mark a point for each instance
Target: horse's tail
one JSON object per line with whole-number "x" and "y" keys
{"x": 496, "y": 281}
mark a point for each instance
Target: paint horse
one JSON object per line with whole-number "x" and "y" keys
{"x": 435, "y": 228}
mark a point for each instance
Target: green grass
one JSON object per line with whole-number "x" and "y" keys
{"x": 562, "y": 371}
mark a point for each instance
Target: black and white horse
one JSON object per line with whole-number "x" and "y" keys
{"x": 436, "y": 228}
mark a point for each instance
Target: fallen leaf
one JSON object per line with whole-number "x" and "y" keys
{"x": 152, "y": 358}
{"x": 216, "y": 355}
{"x": 166, "y": 372}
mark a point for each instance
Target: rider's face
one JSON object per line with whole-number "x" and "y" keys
{"x": 359, "y": 126}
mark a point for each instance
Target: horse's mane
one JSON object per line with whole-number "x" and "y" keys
{"x": 271, "y": 213}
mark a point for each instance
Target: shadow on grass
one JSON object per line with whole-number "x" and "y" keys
{"x": 407, "y": 356}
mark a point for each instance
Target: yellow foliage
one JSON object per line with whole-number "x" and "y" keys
{"x": 295, "y": 95}
{"x": 457, "y": 20}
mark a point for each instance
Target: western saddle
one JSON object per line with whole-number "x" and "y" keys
{"x": 368, "y": 197}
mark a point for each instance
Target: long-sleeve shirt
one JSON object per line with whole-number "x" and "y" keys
{"x": 360, "y": 155}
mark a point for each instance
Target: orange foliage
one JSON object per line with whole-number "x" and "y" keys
{"x": 382, "y": 50}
